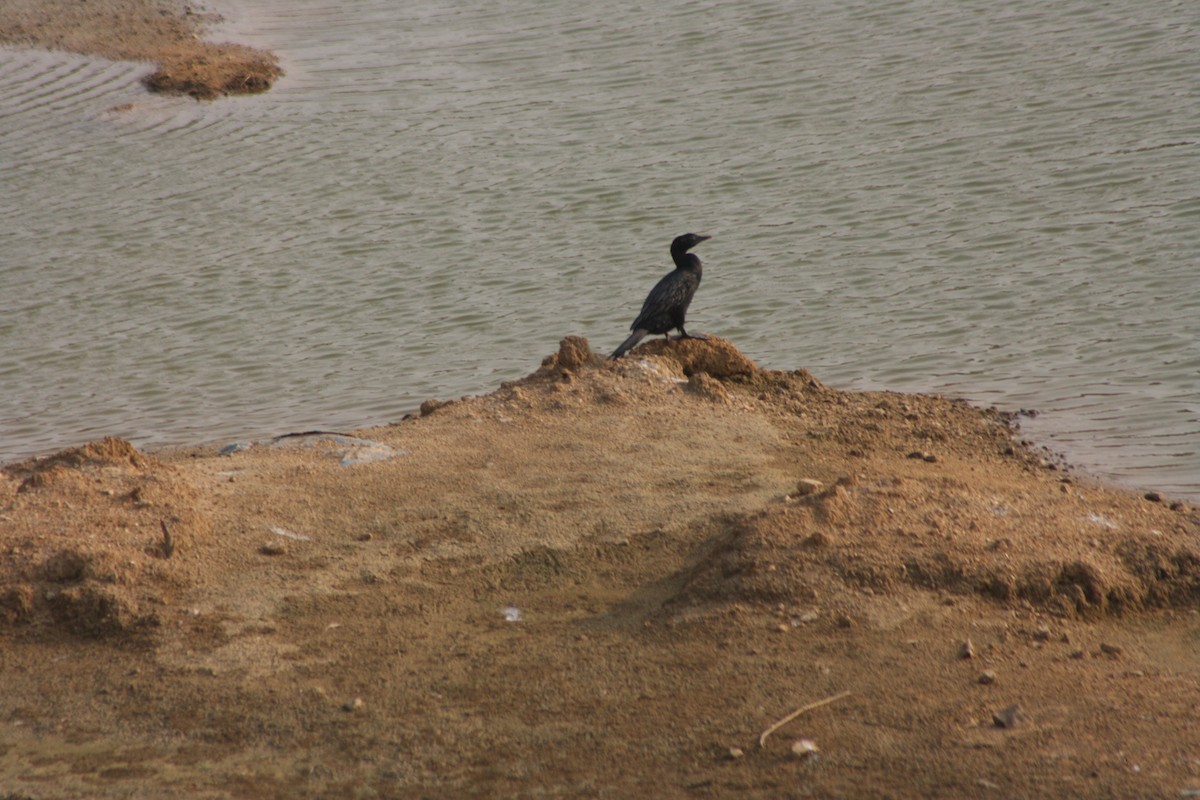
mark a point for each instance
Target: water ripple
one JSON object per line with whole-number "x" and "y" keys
{"x": 992, "y": 201}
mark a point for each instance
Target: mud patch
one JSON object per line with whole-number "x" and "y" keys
{"x": 168, "y": 34}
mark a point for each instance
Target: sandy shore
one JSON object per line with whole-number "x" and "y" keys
{"x": 600, "y": 580}
{"x": 167, "y": 33}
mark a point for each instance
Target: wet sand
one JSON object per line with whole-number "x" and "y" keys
{"x": 169, "y": 34}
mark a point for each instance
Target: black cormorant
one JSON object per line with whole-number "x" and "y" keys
{"x": 668, "y": 301}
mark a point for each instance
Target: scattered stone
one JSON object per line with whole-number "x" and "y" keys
{"x": 804, "y": 749}
{"x": 966, "y": 649}
{"x": 808, "y": 486}
{"x": 734, "y": 753}
{"x": 931, "y": 458}
{"x": 809, "y": 617}
{"x": 1042, "y": 634}
{"x": 987, "y": 677}
{"x": 986, "y": 784}
{"x": 273, "y": 548}
{"x": 917, "y": 455}
{"x": 844, "y": 621}
{"x": 356, "y": 704}
{"x": 1078, "y": 655}
{"x": 1009, "y": 717}
{"x": 782, "y": 627}
{"x": 1110, "y": 649}
{"x": 1153, "y": 497}
{"x": 431, "y": 405}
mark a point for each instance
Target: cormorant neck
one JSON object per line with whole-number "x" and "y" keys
{"x": 685, "y": 260}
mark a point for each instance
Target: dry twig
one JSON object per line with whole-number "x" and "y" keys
{"x": 762, "y": 739}
{"x": 168, "y": 544}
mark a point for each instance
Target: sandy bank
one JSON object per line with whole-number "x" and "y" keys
{"x": 168, "y": 34}
{"x": 600, "y": 580}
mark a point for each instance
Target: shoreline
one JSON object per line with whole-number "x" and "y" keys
{"x": 674, "y": 549}
{"x": 168, "y": 35}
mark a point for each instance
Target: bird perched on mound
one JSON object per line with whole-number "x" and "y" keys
{"x": 668, "y": 301}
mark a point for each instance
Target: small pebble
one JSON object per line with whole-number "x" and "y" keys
{"x": 1008, "y": 717}
{"x": 986, "y": 677}
{"x": 966, "y": 650}
{"x": 273, "y": 549}
{"x": 1110, "y": 649}
{"x": 356, "y": 704}
{"x": 734, "y": 753}
{"x": 1153, "y": 497}
{"x": 808, "y": 486}
{"x": 1041, "y": 634}
{"x": 804, "y": 749}
{"x": 431, "y": 405}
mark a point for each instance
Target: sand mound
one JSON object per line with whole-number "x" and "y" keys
{"x": 94, "y": 529}
{"x": 880, "y": 536}
{"x": 605, "y": 574}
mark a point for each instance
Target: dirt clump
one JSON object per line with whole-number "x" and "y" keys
{"x": 85, "y": 538}
{"x": 604, "y": 578}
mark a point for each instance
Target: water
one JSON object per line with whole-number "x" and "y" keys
{"x": 990, "y": 200}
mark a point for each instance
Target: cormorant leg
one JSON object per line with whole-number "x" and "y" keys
{"x": 685, "y": 335}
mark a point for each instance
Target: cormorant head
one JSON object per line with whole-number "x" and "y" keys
{"x": 686, "y": 242}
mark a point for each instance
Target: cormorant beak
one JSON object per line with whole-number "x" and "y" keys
{"x": 701, "y": 238}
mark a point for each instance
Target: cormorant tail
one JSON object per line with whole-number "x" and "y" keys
{"x": 629, "y": 343}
